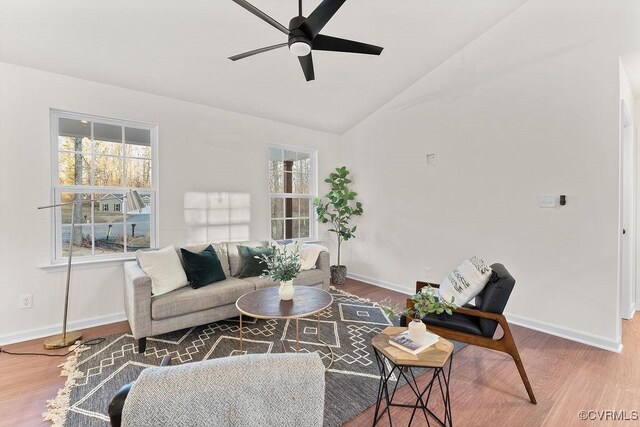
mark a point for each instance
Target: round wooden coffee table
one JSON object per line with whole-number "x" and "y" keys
{"x": 266, "y": 304}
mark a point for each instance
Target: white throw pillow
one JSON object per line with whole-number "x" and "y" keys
{"x": 164, "y": 268}
{"x": 466, "y": 281}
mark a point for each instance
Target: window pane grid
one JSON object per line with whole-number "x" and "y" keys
{"x": 291, "y": 179}
{"x": 97, "y": 144}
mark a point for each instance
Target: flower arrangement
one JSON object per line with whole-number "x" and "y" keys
{"x": 282, "y": 265}
{"x": 426, "y": 301}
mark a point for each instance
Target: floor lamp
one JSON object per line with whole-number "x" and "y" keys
{"x": 133, "y": 202}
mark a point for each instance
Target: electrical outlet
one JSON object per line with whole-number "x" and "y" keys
{"x": 26, "y": 301}
{"x": 427, "y": 272}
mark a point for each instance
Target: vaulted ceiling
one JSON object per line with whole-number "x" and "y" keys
{"x": 179, "y": 49}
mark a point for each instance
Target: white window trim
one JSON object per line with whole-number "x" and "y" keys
{"x": 313, "y": 223}
{"x": 56, "y": 220}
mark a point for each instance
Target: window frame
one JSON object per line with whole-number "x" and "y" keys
{"x": 57, "y": 256}
{"x": 313, "y": 186}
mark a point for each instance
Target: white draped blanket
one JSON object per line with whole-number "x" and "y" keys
{"x": 309, "y": 255}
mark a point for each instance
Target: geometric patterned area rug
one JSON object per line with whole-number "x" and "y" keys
{"x": 347, "y": 327}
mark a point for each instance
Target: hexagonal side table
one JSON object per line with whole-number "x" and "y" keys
{"x": 402, "y": 364}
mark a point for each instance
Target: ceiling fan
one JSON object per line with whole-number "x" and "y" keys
{"x": 304, "y": 35}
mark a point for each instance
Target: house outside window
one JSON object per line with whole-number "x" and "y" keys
{"x": 95, "y": 161}
{"x": 292, "y": 182}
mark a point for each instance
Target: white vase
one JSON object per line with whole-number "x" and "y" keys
{"x": 417, "y": 331}
{"x": 286, "y": 290}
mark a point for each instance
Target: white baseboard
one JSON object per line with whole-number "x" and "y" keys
{"x": 631, "y": 311}
{"x": 46, "y": 331}
{"x": 567, "y": 333}
{"x": 380, "y": 283}
{"x": 547, "y": 328}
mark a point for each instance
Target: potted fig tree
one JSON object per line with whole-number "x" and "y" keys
{"x": 337, "y": 208}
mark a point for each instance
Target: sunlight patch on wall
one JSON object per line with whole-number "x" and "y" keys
{"x": 217, "y": 217}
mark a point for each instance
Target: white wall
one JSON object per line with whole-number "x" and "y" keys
{"x": 530, "y": 107}
{"x": 200, "y": 149}
{"x": 627, "y": 274}
{"x": 636, "y": 139}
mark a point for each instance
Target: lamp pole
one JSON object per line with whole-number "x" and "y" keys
{"x": 65, "y": 339}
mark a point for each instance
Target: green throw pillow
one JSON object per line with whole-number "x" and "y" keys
{"x": 251, "y": 266}
{"x": 202, "y": 268}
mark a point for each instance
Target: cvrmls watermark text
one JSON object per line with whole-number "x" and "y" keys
{"x": 608, "y": 415}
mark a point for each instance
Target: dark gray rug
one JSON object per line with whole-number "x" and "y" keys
{"x": 347, "y": 326}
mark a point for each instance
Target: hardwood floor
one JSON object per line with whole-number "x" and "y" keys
{"x": 486, "y": 389}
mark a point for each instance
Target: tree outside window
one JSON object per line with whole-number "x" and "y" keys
{"x": 98, "y": 161}
{"x": 292, "y": 176}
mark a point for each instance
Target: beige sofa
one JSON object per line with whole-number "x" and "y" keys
{"x": 150, "y": 315}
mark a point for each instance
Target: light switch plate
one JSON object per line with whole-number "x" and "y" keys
{"x": 547, "y": 201}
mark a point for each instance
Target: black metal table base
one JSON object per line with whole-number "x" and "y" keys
{"x": 440, "y": 375}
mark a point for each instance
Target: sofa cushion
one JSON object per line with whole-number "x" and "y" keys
{"x": 309, "y": 278}
{"x": 164, "y": 268}
{"x": 220, "y": 248}
{"x": 252, "y": 266}
{"x": 305, "y": 278}
{"x": 261, "y": 282}
{"x": 235, "y": 262}
{"x": 188, "y": 300}
{"x": 202, "y": 268}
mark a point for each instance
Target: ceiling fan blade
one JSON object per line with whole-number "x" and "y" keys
{"x": 260, "y": 14}
{"x": 321, "y": 15}
{"x": 336, "y": 44}
{"x": 256, "y": 51}
{"x": 307, "y": 67}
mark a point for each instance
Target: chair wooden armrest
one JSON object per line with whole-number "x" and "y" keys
{"x": 504, "y": 344}
{"x": 502, "y": 283}
{"x": 479, "y": 313}
{"x": 420, "y": 285}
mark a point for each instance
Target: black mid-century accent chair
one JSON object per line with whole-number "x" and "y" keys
{"x": 476, "y": 325}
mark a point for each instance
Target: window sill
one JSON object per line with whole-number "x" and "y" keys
{"x": 88, "y": 263}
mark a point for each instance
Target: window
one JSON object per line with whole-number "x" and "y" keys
{"x": 96, "y": 161}
{"x": 292, "y": 181}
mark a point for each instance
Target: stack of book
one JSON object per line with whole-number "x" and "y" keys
{"x": 403, "y": 342}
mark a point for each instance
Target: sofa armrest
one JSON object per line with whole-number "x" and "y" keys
{"x": 137, "y": 299}
{"x": 323, "y": 264}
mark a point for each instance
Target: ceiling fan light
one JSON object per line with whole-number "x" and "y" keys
{"x": 300, "y": 48}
